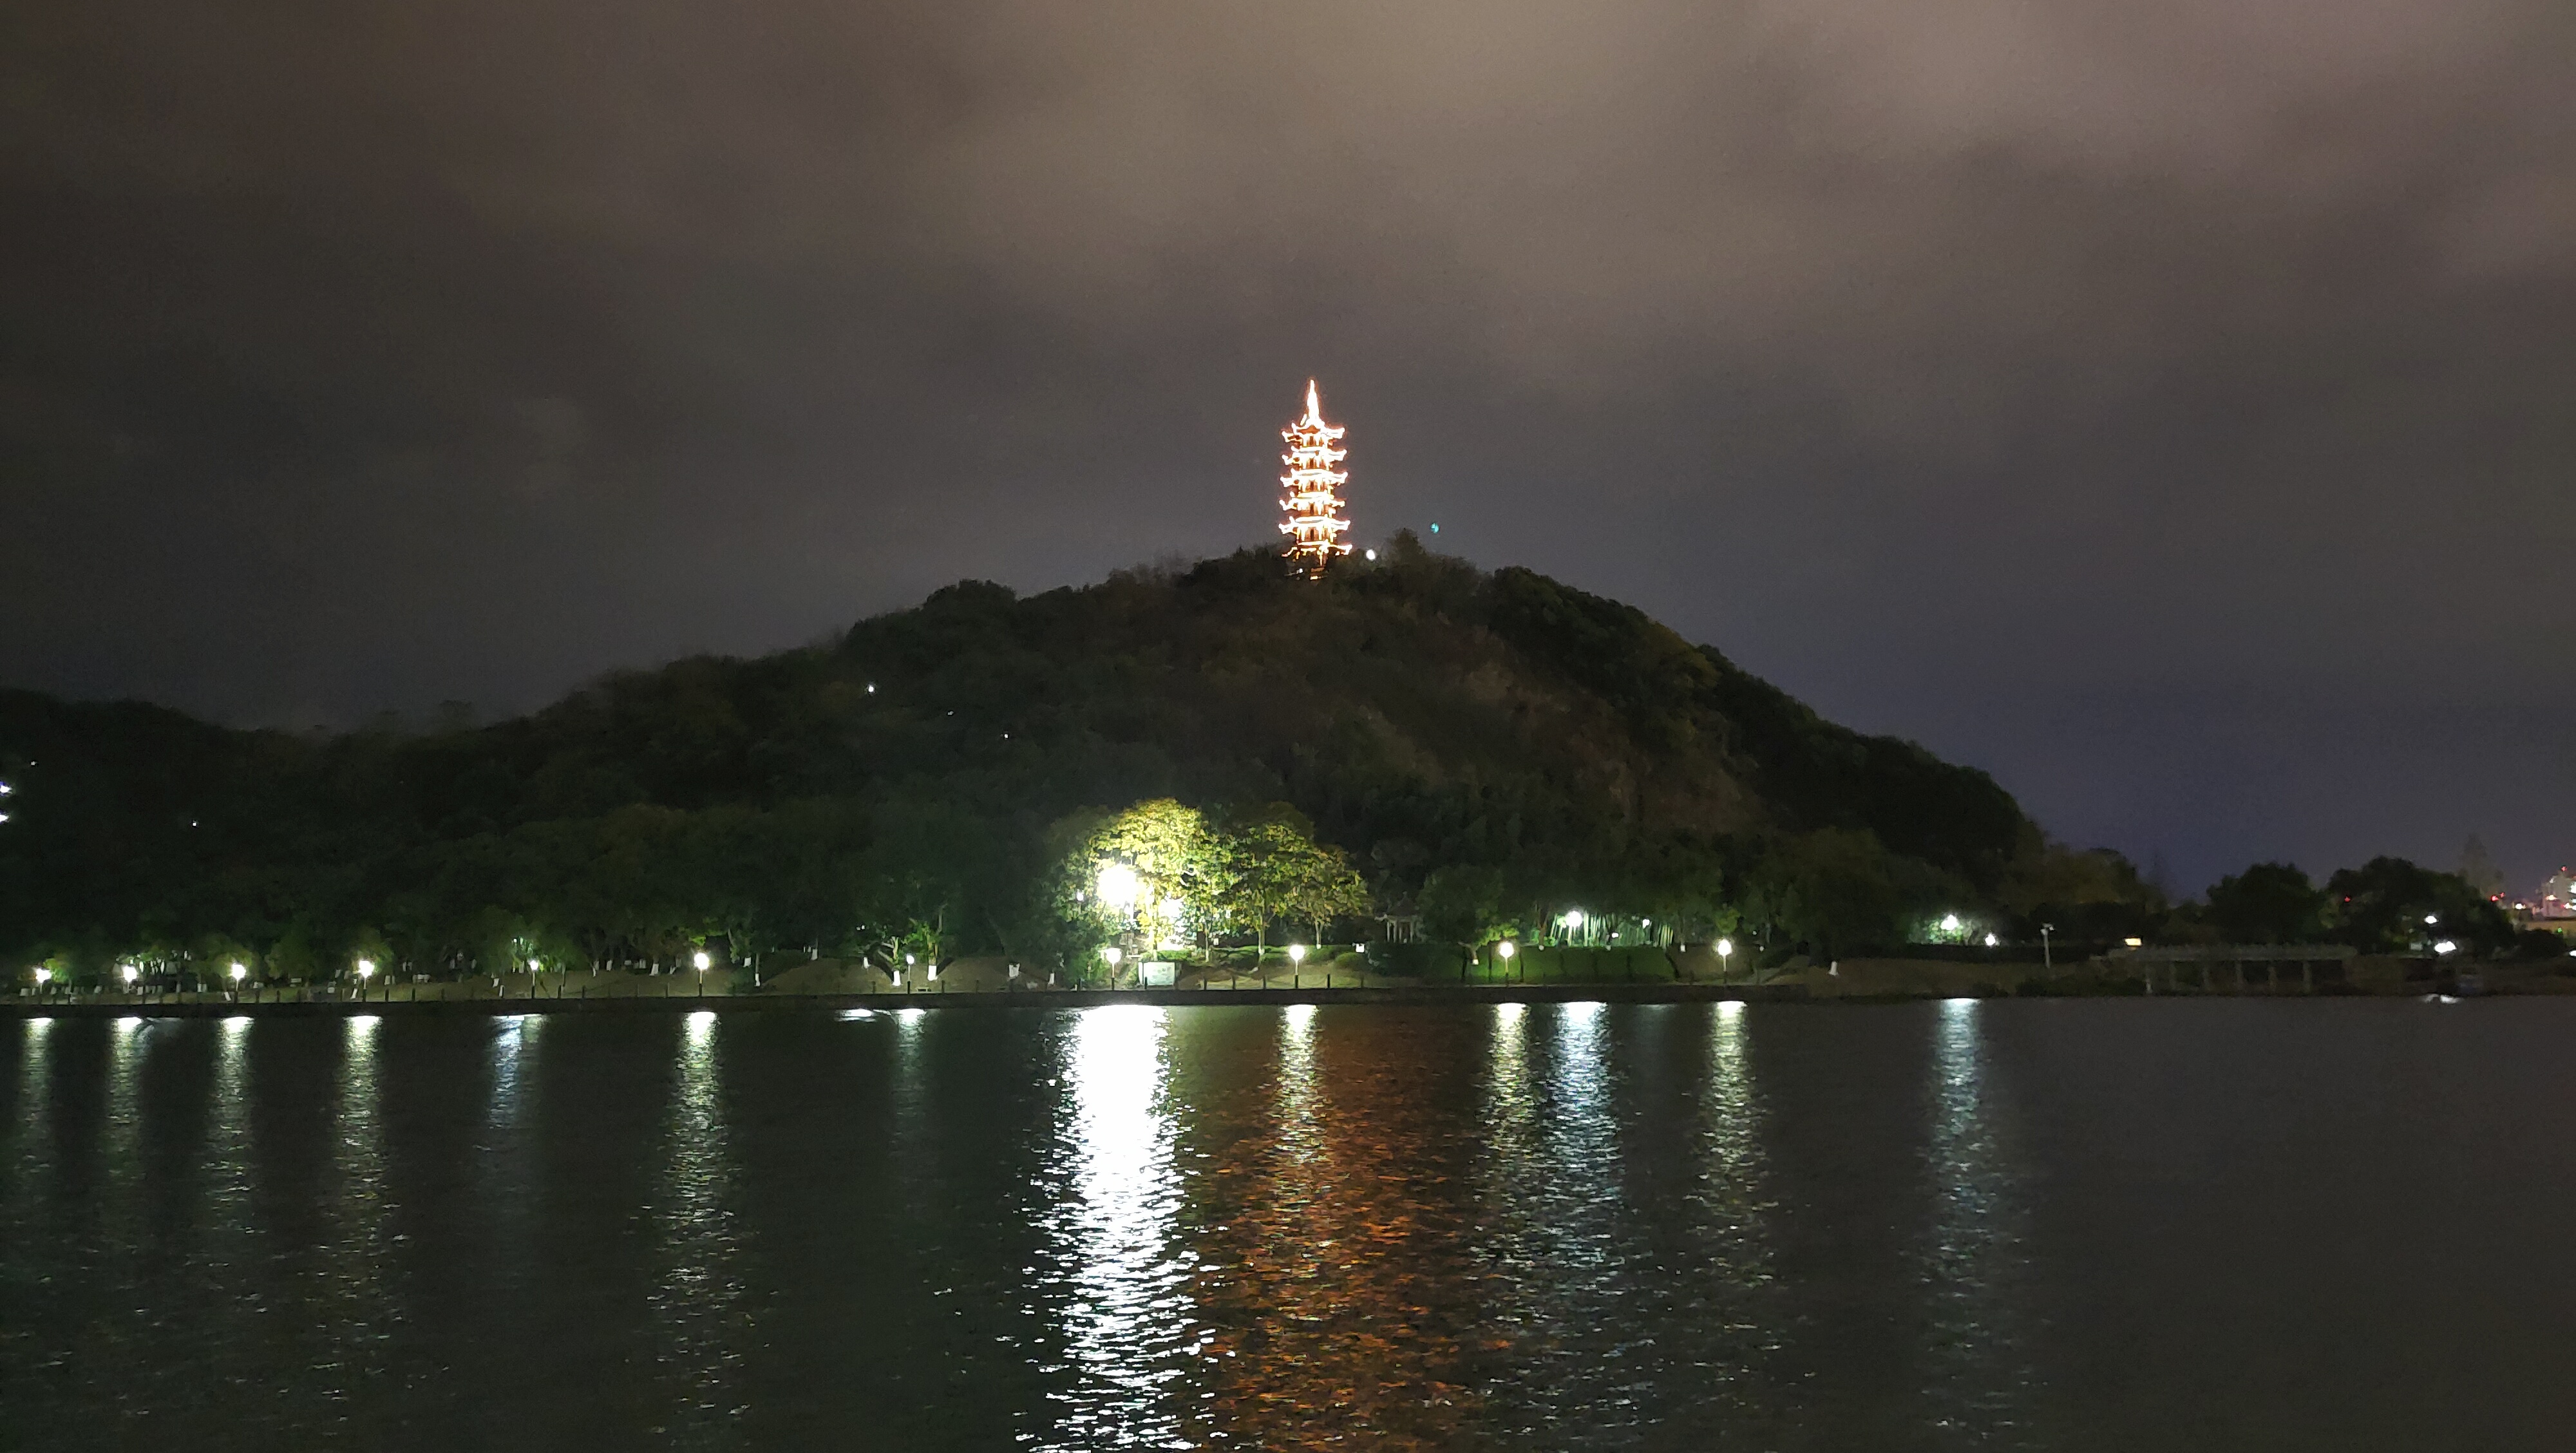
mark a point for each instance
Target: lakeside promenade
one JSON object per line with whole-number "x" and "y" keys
{"x": 1843, "y": 981}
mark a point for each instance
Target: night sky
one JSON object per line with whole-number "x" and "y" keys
{"x": 2170, "y": 408}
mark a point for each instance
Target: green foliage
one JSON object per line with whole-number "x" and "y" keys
{"x": 2084, "y": 895}
{"x": 1840, "y": 891}
{"x": 1491, "y": 748}
{"x": 2268, "y": 903}
{"x": 1463, "y": 903}
{"x": 2389, "y": 905}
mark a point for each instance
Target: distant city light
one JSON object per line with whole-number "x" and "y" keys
{"x": 1368, "y": 554}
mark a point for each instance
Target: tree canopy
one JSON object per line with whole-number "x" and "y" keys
{"x": 1411, "y": 737}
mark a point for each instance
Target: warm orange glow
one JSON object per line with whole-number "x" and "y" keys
{"x": 1313, "y": 502}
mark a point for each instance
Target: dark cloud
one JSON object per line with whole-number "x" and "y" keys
{"x": 2168, "y": 408}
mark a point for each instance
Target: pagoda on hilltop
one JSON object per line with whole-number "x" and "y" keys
{"x": 1313, "y": 504}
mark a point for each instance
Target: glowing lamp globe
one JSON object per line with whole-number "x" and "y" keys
{"x": 1119, "y": 887}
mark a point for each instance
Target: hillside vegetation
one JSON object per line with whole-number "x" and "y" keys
{"x": 1485, "y": 750}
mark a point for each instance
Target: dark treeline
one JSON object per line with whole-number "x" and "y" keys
{"x": 1483, "y": 750}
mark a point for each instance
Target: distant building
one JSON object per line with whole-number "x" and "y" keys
{"x": 2553, "y": 907}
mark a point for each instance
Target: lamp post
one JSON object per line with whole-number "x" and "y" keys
{"x": 1296, "y": 962}
{"x": 43, "y": 977}
{"x": 1725, "y": 951}
{"x": 2047, "y": 961}
{"x": 130, "y": 973}
{"x": 366, "y": 971}
{"x": 239, "y": 973}
{"x": 700, "y": 960}
{"x": 1505, "y": 950}
{"x": 1110, "y": 956}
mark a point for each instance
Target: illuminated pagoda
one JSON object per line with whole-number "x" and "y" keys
{"x": 1313, "y": 503}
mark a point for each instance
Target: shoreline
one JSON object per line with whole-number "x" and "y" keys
{"x": 498, "y": 1007}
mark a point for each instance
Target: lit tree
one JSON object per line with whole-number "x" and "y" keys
{"x": 1151, "y": 870}
{"x": 1313, "y": 503}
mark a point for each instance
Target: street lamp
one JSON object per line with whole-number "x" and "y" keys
{"x": 239, "y": 973}
{"x": 1505, "y": 950}
{"x": 699, "y": 959}
{"x": 1111, "y": 956}
{"x": 1296, "y": 961}
{"x": 1725, "y": 951}
{"x": 130, "y": 973}
{"x": 43, "y": 977}
{"x": 1119, "y": 887}
{"x": 366, "y": 971}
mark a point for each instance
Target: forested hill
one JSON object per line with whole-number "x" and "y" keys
{"x": 1485, "y": 747}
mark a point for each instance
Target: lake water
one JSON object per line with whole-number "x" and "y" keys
{"x": 2068, "y": 1224}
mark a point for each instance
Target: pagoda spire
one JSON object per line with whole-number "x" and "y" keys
{"x": 1313, "y": 501}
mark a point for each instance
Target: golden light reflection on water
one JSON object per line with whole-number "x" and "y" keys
{"x": 1334, "y": 1277}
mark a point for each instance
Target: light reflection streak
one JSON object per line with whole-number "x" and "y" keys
{"x": 698, "y": 1292}
{"x": 28, "y": 1146}
{"x": 1973, "y": 1249}
{"x": 1735, "y": 1201}
{"x": 354, "y": 1259}
{"x": 123, "y": 1164}
{"x": 33, "y": 1065}
{"x": 1128, "y": 1322}
{"x": 510, "y": 1042}
{"x": 1554, "y": 1224}
{"x": 1297, "y": 1131}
